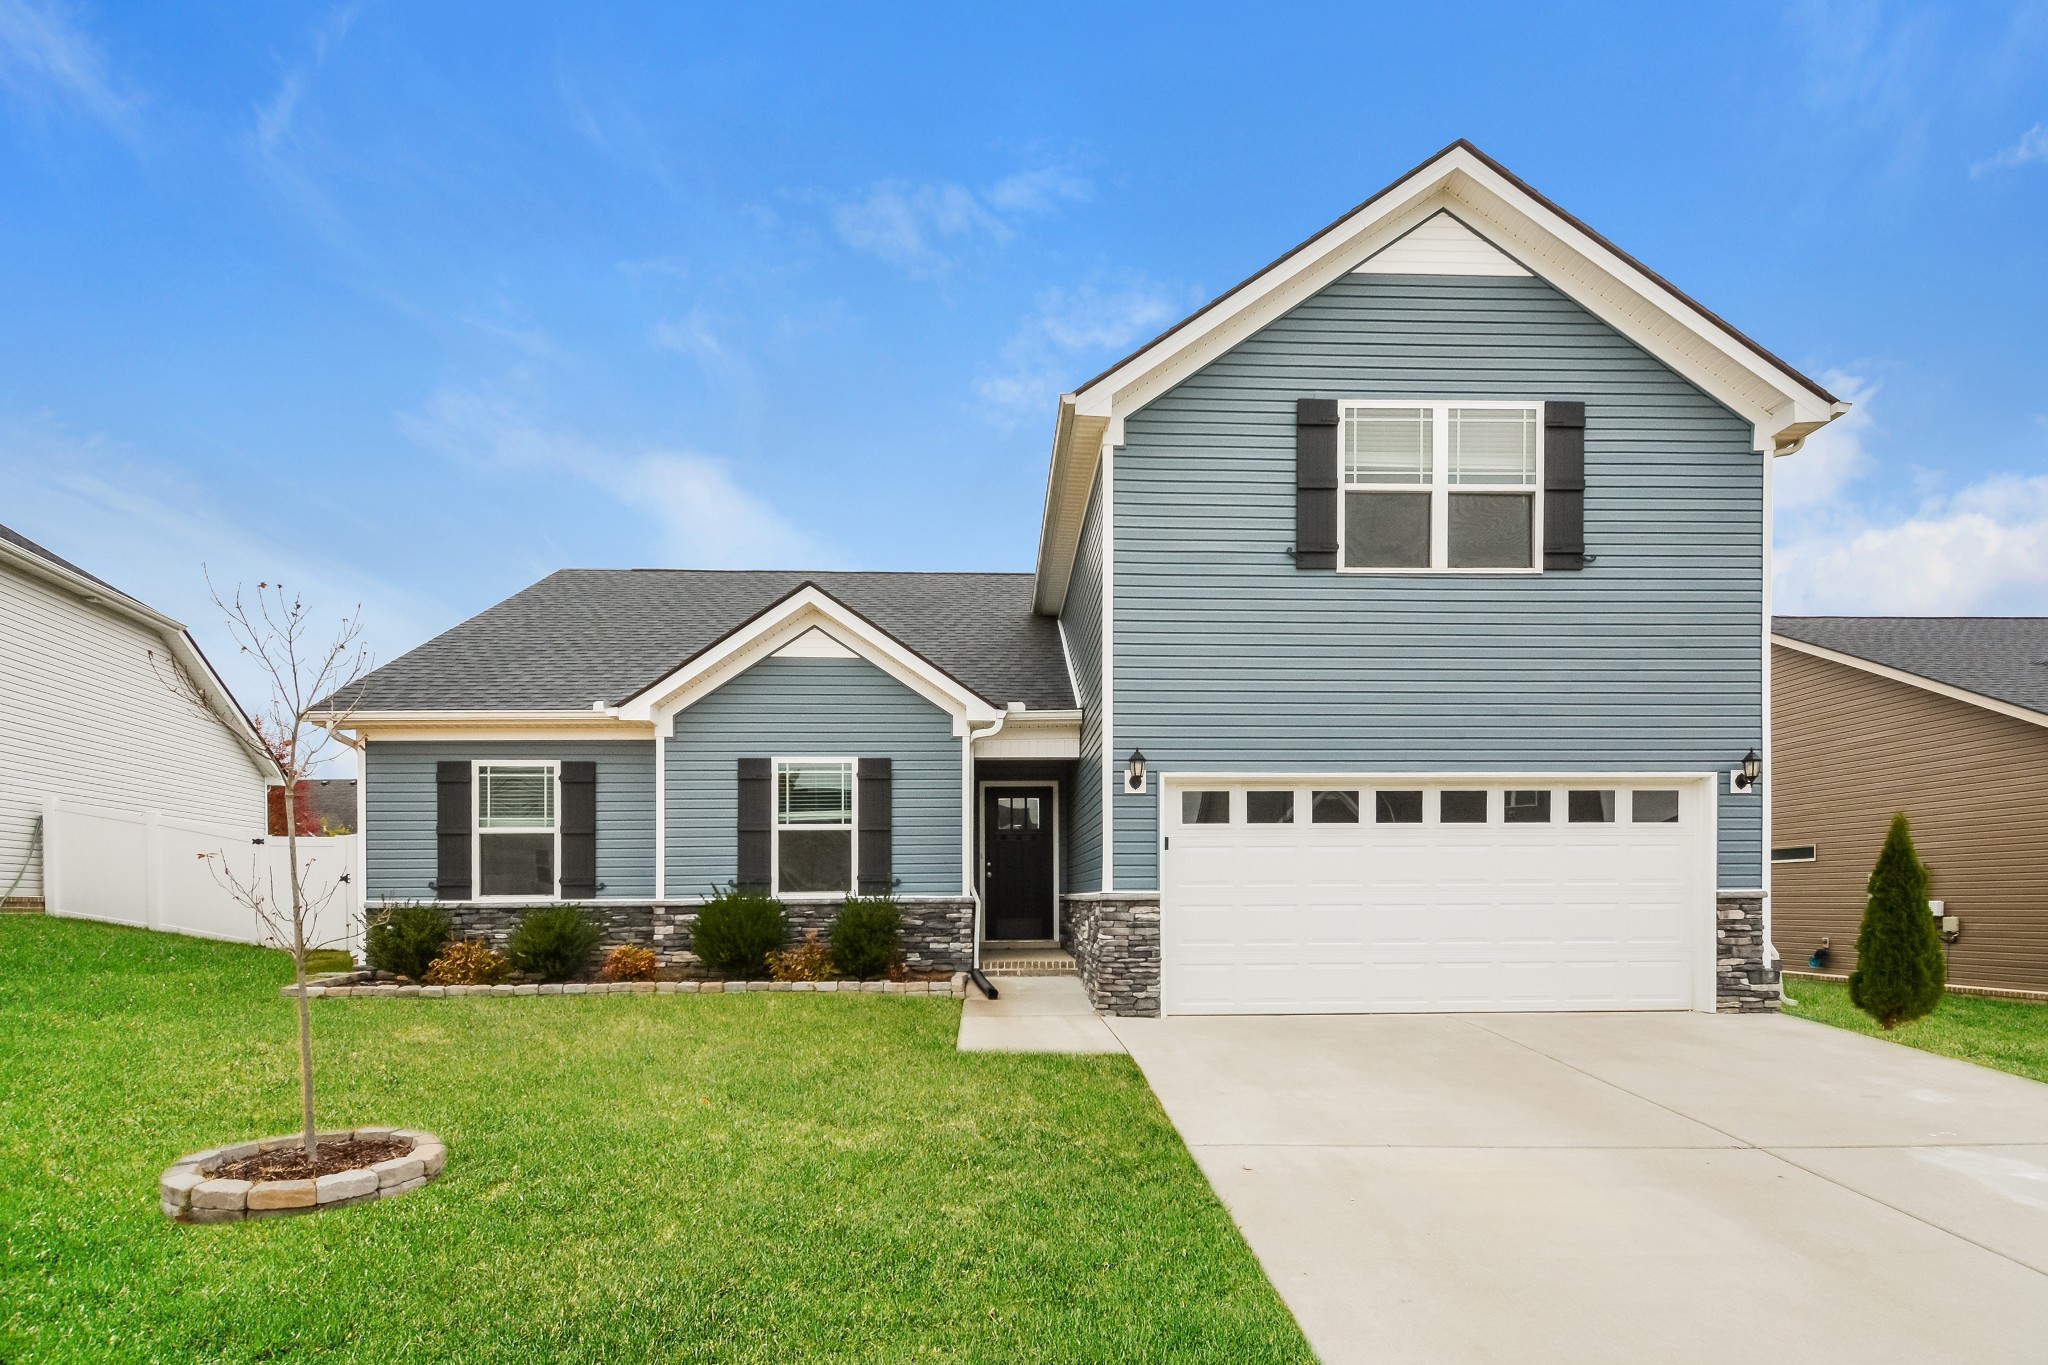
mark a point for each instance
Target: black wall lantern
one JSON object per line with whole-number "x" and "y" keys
{"x": 1134, "y": 774}
{"x": 1752, "y": 769}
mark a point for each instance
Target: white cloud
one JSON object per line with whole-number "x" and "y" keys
{"x": 1983, "y": 548}
{"x": 2032, "y": 146}
{"x": 707, "y": 520}
{"x": 1834, "y": 456}
{"x": 1068, "y": 330}
{"x": 921, "y": 226}
{"x": 44, "y": 52}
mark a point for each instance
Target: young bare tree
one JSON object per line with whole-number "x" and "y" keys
{"x": 302, "y": 668}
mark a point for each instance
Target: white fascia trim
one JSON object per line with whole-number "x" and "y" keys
{"x": 1783, "y": 410}
{"x": 809, "y": 607}
{"x": 491, "y": 727}
{"x": 1900, "y": 675}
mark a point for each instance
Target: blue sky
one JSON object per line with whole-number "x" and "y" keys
{"x": 410, "y": 305}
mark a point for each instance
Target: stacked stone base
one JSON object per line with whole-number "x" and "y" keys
{"x": 1115, "y": 942}
{"x": 938, "y": 931}
{"x": 1745, "y": 979}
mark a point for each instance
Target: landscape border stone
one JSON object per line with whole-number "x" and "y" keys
{"x": 189, "y": 1193}
{"x": 955, "y": 987}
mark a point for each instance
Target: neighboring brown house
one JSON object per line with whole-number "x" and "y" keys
{"x": 1944, "y": 718}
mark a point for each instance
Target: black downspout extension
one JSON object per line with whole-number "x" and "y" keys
{"x": 982, "y": 983}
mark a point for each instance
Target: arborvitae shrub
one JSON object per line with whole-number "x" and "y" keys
{"x": 1900, "y": 967}
{"x": 736, "y": 930}
{"x": 866, "y": 935}
{"x": 554, "y": 942}
{"x": 405, "y": 939}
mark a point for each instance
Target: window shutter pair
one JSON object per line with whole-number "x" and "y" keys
{"x": 1316, "y": 486}
{"x": 874, "y": 837}
{"x": 455, "y": 827}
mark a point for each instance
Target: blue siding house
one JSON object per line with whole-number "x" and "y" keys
{"x": 1398, "y": 641}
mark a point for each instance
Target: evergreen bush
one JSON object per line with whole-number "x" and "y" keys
{"x": 1900, "y": 967}
{"x": 405, "y": 939}
{"x": 554, "y": 942}
{"x": 736, "y": 930}
{"x": 866, "y": 935}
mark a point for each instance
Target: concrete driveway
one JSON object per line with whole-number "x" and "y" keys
{"x": 1631, "y": 1188}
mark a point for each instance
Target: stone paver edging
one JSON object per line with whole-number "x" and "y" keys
{"x": 190, "y": 1194}
{"x": 956, "y": 988}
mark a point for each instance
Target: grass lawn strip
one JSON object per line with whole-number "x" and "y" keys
{"x": 764, "y": 1177}
{"x": 2005, "y": 1035}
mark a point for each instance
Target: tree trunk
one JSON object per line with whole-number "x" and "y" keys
{"x": 291, "y": 845}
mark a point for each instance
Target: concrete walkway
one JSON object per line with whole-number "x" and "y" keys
{"x": 1034, "y": 1014}
{"x": 1630, "y": 1188}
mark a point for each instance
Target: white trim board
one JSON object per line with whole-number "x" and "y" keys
{"x": 1925, "y": 684}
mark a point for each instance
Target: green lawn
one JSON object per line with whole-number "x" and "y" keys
{"x": 2007, "y": 1035}
{"x": 733, "y": 1178}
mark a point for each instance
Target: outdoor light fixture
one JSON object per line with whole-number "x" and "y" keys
{"x": 1134, "y": 774}
{"x": 1752, "y": 769}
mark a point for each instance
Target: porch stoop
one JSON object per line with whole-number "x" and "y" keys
{"x": 1026, "y": 957}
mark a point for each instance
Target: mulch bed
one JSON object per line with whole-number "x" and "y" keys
{"x": 289, "y": 1163}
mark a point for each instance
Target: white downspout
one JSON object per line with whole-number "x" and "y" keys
{"x": 967, "y": 803}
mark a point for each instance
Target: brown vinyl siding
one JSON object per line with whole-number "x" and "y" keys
{"x": 1848, "y": 749}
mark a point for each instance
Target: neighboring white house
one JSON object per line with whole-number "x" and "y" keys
{"x": 88, "y": 718}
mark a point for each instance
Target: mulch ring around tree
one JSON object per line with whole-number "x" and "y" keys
{"x": 289, "y": 1163}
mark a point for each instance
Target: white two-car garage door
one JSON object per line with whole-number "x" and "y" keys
{"x": 1321, "y": 895}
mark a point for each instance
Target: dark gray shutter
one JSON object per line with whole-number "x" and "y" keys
{"x": 579, "y": 830}
{"x": 1564, "y": 485}
{"x": 756, "y": 823}
{"x": 452, "y": 830}
{"x": 875, "y": 851}
{"x": 1315, "y": 483}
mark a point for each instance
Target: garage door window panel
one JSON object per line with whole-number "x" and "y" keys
{"x": 1526, "y": 807}
{"x": 1441, "y": 487}
{"x": 1589, "y": 807}
{"x": 1653, "y": 807}
{"x": 1461, "y": 808}
{"x": 1205, "y": 808}
{"x": 1334, "y": 808}
{"x": 1397, "y": 807}
{"x": 1269, "y": 808}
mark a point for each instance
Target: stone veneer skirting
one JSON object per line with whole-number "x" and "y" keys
{"x": 1115, "y": 942}
{"x": 938, "y": 932}
{"x": 1114, "y": 938}
{"x": 1745, "y": 981}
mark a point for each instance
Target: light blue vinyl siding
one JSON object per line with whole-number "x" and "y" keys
{"x": 1081, "y": 621}
{"x": 1227, "y": 657}
{"x": 818, "y": 708}
{"x": 399, "y": 802}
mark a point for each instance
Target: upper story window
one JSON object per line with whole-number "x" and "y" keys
{"x": 1440, "y": 487}
{"x": 517, "y": 851}
{"x": 813, "y": 826}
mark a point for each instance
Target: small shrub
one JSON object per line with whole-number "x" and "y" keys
{"x": 554, "y": 942}
{"x": 808, "y": 961}
{"x": 468, "y": 962}
{"x": 628, "y": 962}
{"x": 866, "y": 935}
{"x": 405, "y": 939}
{"x": 1900, "y": 968}
{"x": 736, "y": 930}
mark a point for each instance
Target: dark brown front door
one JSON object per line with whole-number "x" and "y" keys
{"x": 1017, "y": 861}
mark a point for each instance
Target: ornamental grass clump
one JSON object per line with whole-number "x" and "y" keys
{"x": 468, "y": 962}
{"x": 405, "y": 939}
{"x": 1900, "y": 968}
{"x": 628, "y": 962}
{"x": 736, "y": 930}
{"x": 808, "y": 961}
{"x": 554, "y": 942}
{"x": 867, "y": 934}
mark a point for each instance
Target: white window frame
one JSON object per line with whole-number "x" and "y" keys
{"x": 1440, "y": 488}
{"x": 477, "y": 830}
{"x": 852, "y": 828}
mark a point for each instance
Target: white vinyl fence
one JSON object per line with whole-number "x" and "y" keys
{"x": 151, "y": 871}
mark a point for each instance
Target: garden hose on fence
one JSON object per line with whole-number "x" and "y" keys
{"x": 35, "y": 844}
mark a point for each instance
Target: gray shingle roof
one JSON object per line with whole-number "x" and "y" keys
{"x": 584, "y": 635}
{"x": 14, "y": 537}
{"x": 2002, "y": 657}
